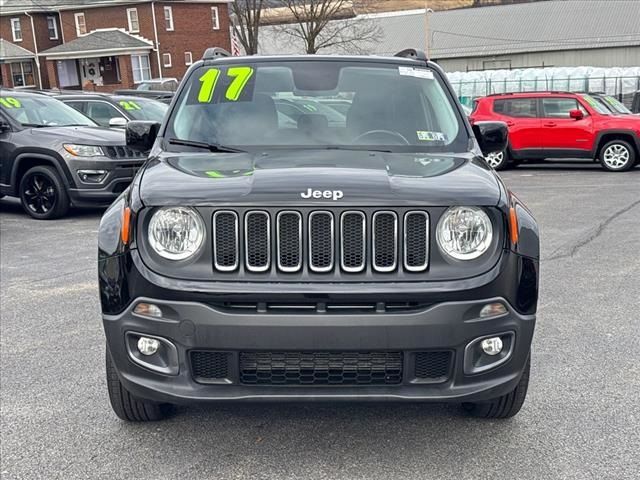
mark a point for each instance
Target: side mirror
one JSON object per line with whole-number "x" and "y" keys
{"x": 141, "y": 134}
{"x": 576, "y": 114}
{"x": 4, "y": 126}
{"x": 118, "y": 122}
{"x": 492, "y": 136}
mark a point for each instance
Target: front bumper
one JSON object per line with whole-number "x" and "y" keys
{"x": 120, "y": 174}
{"x": 195, "y": 325}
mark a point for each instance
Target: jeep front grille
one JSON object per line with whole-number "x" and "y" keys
{"x": 225, "y": 240}
{"x": 257, "y": 241}
{"x": 321, "y": 241}
{"x": 122, "y": 151}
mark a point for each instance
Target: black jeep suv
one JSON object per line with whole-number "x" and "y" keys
{"x": 380, "y": 259}
{"x": 52, "y": 156}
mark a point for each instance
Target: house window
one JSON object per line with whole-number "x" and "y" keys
{"x": 141, "y": 68}
{"x": 215, "y": 19}
{"x": 16, "y": 29}
{"x": 81, "y": 24}
{"x": 168, "y": 19}
{"x": 188, "y": 58}
{"x": 52, "y": 26}
{"x": 166, "y": 60}
{"x": 132, "y": 16}
{"x": 22, "y": 74}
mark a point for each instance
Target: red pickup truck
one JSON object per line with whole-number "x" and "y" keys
{"x": 561, "y": 125}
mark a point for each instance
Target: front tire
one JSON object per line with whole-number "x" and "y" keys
{"x": 42, "y": 193}
{"x": 498, "y": 160}
{"x": 505, "y": 406}
{"x": 126, "y": 406}
{"x": 617, "y": 156}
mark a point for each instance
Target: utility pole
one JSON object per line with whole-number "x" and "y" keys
{"x": 427, "y": 13}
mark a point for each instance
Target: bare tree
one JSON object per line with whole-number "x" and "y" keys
{"x": 329, "y": 23}
{"x": 246, "y": 22}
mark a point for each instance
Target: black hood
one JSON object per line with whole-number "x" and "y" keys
{"x": 280, "y": 177}
{"x": 79, "y": 135}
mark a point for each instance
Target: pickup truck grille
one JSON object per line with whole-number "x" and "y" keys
{"x": 350, "y": 241}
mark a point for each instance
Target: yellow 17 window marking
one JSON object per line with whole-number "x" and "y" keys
{"x": 209, "y": 79}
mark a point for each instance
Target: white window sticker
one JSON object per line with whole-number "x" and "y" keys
{"x": 431, "y": 136}
{"x": 416, "y": 72}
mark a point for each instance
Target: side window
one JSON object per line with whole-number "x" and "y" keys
{"x": 102, "y": 112}
{"x": 80, "y": 106}
{"x": 558, "y": 107}
{"x": 516, "y": 107}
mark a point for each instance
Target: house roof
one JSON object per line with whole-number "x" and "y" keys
{"x": 101, "y": 42}
{"x": 10, "y": 51}
{"x": 497, "y": 30}
{"x": 8, "y": 7}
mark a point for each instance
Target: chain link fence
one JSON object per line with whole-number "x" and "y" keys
{"x": 621, "y": 87}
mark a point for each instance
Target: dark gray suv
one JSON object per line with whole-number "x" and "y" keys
{"x": 52, "y": 156}
{"x": 379, "y": 258}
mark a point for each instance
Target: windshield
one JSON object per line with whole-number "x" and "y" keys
{"x": 615, "y": 105}
{"x": 148, "y": 86}
{"x": 41, "y": 111}
{"x": 289, "y": 104}
{"x": 596, "y": 105}
{"x": 143, "y": 108}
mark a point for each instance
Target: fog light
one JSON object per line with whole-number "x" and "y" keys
{"x": 493, "y": 310}
{"x": 148, "y": 310}
{"x": 148, "y": 346}
{"x": 92, "y": 176}
{"x": 491, "y": 346}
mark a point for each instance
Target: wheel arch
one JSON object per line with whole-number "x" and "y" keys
{"x": 608, "y": 135}
{"x": 26, "y": 160}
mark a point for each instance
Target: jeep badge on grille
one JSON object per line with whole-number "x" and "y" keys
{"x": 333, "y": 194}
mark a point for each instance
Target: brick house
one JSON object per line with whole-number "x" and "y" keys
{"x": 112, "y": 44}
{"x": 30, "y": 31}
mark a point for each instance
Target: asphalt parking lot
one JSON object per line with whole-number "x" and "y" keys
{"x": 581, "y": 419}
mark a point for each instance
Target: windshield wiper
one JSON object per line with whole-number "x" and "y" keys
{"x": 356, "y": 148}
{"x": 212, "y": 147}
{"x": 33, "y": 125}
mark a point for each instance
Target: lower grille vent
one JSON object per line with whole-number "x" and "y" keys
{"x": 210, "y": 367}
{"x": 433, "y": 366}
{"x": 320, "y": 368}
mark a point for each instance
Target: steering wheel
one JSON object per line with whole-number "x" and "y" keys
{"x": 399, "y": 138}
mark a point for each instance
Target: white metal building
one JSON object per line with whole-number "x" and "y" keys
{"x": 553, "y": 33}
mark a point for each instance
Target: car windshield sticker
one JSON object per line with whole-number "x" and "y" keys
{"x": 234, "y": 81}
{"x": 431, "y": 136}
{"x": 10, "y": 102}
{"x": 241, "y": 76}
{"x": 208, "y": 84}
{"x": 130, "y": 105}
{"x": 416, "y": 72}
{"x": 591, "y": 101}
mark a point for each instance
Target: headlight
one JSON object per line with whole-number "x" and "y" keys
{"x": 83, "y": 150}
{"x": 176, "y": 233}
{"x": 464, "y": 233}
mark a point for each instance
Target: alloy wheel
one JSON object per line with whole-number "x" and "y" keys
{"x": 616, "y": 156}
{"x": 40, "y": 195}
{"x": 495, "y": 159}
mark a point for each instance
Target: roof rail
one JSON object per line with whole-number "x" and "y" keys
{"x": 412, "y": 53}
{"x": 532, "y": 92}
{"x": 215, "y": 52}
